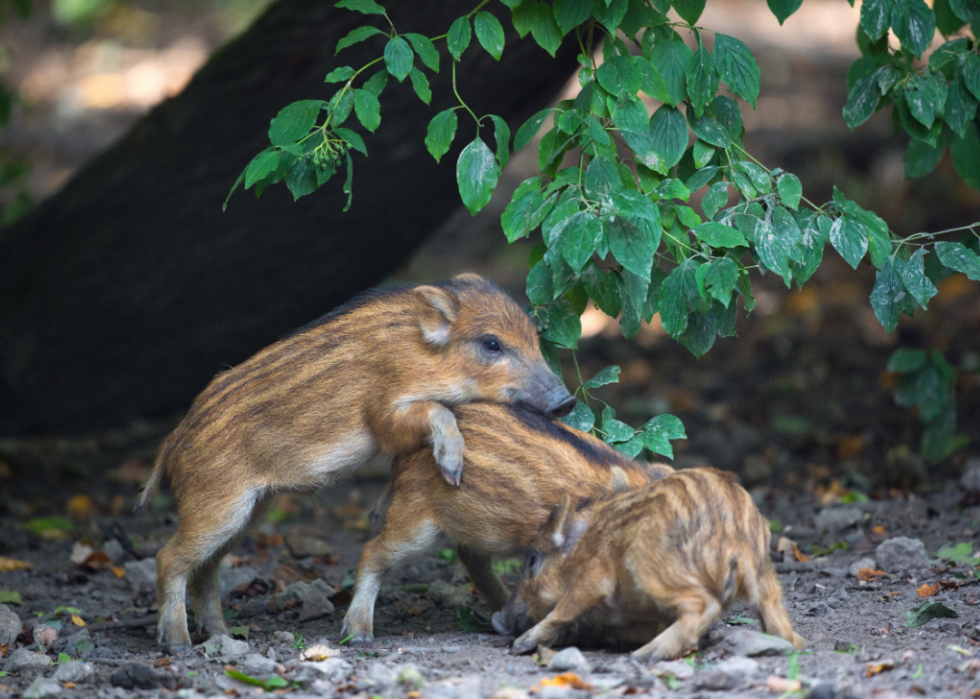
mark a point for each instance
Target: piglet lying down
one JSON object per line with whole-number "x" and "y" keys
{"x": 660, "y": 562}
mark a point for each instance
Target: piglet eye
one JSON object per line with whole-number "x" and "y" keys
{"x": 491, "y": 344}
{"x": 533, "y": 563}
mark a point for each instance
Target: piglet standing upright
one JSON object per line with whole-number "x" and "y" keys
{"x": 659, "y": 562}
{"x": 373, "y": 376}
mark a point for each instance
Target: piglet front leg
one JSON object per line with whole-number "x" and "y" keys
{"x": 590, "y": 590}
{"x": 412, "y": 424}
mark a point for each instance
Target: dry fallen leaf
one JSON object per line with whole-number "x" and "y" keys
{"x": 926, "y": 590}
{"x": 780, "y": 685}
{"x": 879, "y": 529}
{"x": 8, "y": 565}
{"x": 566, "y": 679}
{"x": 790, "y": 551}
{"x": 162, "y": 662}
{"x": 869, "y": 574}
{"x": 319, "y": 652}
{"x": 118, "y": 571}
{"x": 872, "y": 669}
{"x": 3, "y": 649}
{"x": 70, "y": 685}
{"x": 80, "y": 508}
{"x": 77, "y": 620}
{"x": 850, "y": 447}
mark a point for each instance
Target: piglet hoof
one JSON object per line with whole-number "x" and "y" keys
{"x": 447, "y": 448}
{"x": 524, "y": 644}
{"x": 179, "y": 649}
{"x": 361, "y": 640}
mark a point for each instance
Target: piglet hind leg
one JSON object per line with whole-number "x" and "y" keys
{"x": 480, "y": 568}
{"x": 695, "y": 613}
{"x": 395, "y": 545}
{"x": 772, "y": 613}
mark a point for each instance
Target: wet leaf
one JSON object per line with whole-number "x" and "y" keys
{"x": 917, "y": 616}
{"x": 607, "y": 376}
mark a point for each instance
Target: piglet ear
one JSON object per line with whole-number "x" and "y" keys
{"x": 469, "y": 278}
{"x": 618, "y": 479}
{"x": 559, "y": 522}
{"x": 437, "y": 311}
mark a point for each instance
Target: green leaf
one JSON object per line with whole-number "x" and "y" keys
{"x": 540, "y": 288}
{"x": 545, "y": 31}
{"x": 523, "y": 15}
{"x": 921, "y": 158}
{"x": 702, "y": 79}
{"x": 904, "y": 361}
{"x": 651, "y": 81}
{"x": 476, "y": 174}
{"x": 399, "y": 58}
{"x": 718, "y": 235}
{"x": 668, "y": 131}
{"x": 610, "y": 13}
{"x": 293, "y": 122}
{"x": 578, "y": 239}
{"x": 421, "y": 85}
{"x": 876, "y": 17}
{"x": 526, "y": 210}
{"x": 605, "y": 289}
{"x": 13, "y": 597}
{"x": 501, "y": 135}
{"x": 926, "y": 97}
{"x": 630, "y": 203}
{"x": 355, "y": 36}
{"x": 440, "y": 134}
{"x": 917, "y": 616}
{"x": 571, "y": 13}
{"x": 966, "y": 155}
{"x": 489, "y": 33}
{"x": 778, "y": 243}
{"x": 784, "y": 8}
{"x": 737, "y": 67}
{"x": 720, "y": 278}
{"x": 621, "y": 76}
{"x": 615, "y": 430}
{"x": 458, "y": 37}
{"x": 889, "y": 298}
{"x": 674, "y": 294}
{"x": 850, "y": 239}
{"x": 607, "y": 376}
{"x": 790, "y": 190}
{"x": 658, "y": 432}
{"x": 689, "y": 10}
{"x": 598, "y": 133}
{"x": 367, "y": 7}
{"x": 960, "y": 554}
{"x": 758, "y": 176}
{"x": 912, "y": 274}
{"x": 965, "y": 9}
{"x": 958, "y": 257}
{"x": 301, "y": 179}
{"x": 601, "y": 180}
{"x": 914, "y": 24}
{"x": 339, "y": 75}
{"x": 368, "y": 109}
{"x": 530, "y": 129}
{"x": 631, "y": 246}
{"x": 715, "y": 198}
{"x": 702, "y": 152}
{"x": 671, "y": 58}
{"x": 376, "y": 83}
{"x": 961, "y": 106}
{"x": 672, "y": 189}
{"x": 709, "y": 129}
{"x": 261, "y": 165}
{"x": 581, "y": 417}
{"x": 425, "y": 49}
{"x": 352, "y": 138}
{"x": 564, "y": 326}
{"x": 971, "y": 74}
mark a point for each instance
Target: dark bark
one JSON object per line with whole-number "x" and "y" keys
{"x": 122, "y": 295}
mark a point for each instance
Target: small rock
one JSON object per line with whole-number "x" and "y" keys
{"x": 43, "y": 687}
{"x": 553, "y": 693}
{"x": 450, "y": 648}
{"x": 257, "y": 665}
{"x": 381, "y": 676}
{"x": 823, "y": 690}
{"x": 510, "y": 693}
{"x": 314, "y": 597}
{"x": 744, "y": 667}
{"x": 74, "y": 671}
{"x": 970, "y": 481}
{"x": 332, "y": 669}
{"x": 45, "y": 635}
{"x": 901, "y": 554}
{"x": 949, "y": 626}
{"x": 136, "y": 676}
{"x": 9, "y": 625}
{"x": 716, "y": 681}
{"x": 305, "y": 541}
{"x": 23, "y": 659}
{"x": 446, "y": 595}
{"x": 458, "y": 688}
{"x": 834, "y": 518}
{"x": 570, "y": 658}
{"x": 230, "y": 578}
{"x": 142, "y": 575}
{"x": 753, "y": 643}
{"x": 258, "y": 606}
{"x": 229, "y": 647}
{"x": 410, "y": 678}
{"x": 284, "y": 637}
{"x": 677, "y": 668}
{"x": 862, "y": 563}
{"x": 114, "y": 550}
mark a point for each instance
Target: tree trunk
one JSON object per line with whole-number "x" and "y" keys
{"x": 123, "y": 294}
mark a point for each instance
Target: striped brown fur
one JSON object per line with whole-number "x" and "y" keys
{"x": 517, "y": 464}
{"x": 373, "y": 376}
{"x": 660, "y": 562}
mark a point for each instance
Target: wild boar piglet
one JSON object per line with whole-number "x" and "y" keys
{"x": 378, "y": 374}
{"x": 659, "y": 562}
{"x": 516, "y": 465}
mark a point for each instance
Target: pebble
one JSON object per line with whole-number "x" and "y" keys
{"x": 753, "y": 643}
{"x": 331, "y": 669}
{"x": 554, "y": 693}
{"x": 9, "y": 625}
{"x": 302, "y": 542}
{"x": 74, "y": 671}
{"x": 510, "y": 693}
{"x": 229, "y": 578}
{"x": 901, "y": 554}
{"x": 257, "y": 665}
{"x": 284, "y": 637}
{"x": 569, "y": 659}
{"x": 22, "y": 659}
{"x": 230, "y": 648}
{"x": 726, "y": 675}
{"x": 862, "y": 563}
{"x": 457, "y": 688}
{"x": 381, "y": 676}
{"x": 114, "y": 550}
{"x": 677, "y": 668}
{"x": 834, "y": 518}
{"x": 136, "y": 676}
{"x": 43, "y": 687}
{"x": 970, "y": 481}
{"x": 446, "y": 595}
{"x": 410, "y": 678}
{"x": 314, "y": 596}
{"x": 450, "y": 649}
{"x": 69, "y": 644}
{"x": 142, "y": 575}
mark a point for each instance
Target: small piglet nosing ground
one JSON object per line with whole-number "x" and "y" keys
{"x": 658, "y": 562}
{"x": 517, "y": 465}
{"x": 375, "y": 375}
